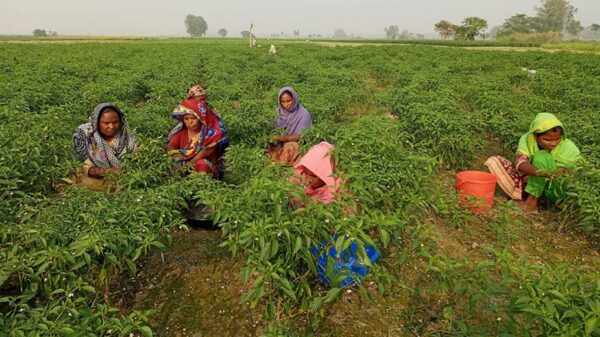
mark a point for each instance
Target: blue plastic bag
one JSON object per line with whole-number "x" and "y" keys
{"x": 346, "y": 262}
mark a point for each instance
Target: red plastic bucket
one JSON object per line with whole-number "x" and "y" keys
{"x": 476, "y": 190}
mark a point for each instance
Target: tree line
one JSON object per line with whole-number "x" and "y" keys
{"x": 551, "y": 16}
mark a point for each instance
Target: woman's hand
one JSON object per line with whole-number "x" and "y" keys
{"x": 206, "y": 153}
{"x": 100, "y": 173}
{"x": 562, "y": 172}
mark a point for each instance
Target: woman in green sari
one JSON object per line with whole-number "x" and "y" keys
{"x": 544, "y": 153}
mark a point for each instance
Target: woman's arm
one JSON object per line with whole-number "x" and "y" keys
{"x": 203, "y": 154}
{"x": 528, "y": 169}
{"x": 290, "y": 138}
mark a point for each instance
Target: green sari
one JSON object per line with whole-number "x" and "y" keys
{"x": 564, "y": 155}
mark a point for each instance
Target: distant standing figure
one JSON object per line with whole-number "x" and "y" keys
{"x": 199, "y": 138}
{"x": 272, "y": 50}
{"x": 294, "y": 119}
{"x": 101, "y": 144}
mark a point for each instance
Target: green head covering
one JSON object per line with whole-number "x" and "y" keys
{"x": 565, "y": 153}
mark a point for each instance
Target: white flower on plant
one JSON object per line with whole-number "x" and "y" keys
{"x": 71, "y": 295}
{"x": 326, "y": 220}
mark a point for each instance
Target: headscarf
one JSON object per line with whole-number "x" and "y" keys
{"x": 318, "y": 160}
{"x": 296, "y": 119}
{"x": 212, "y": 130}
{"x": 88, "y": 143}
{"x": 566, "y": 153}
{"x": 197, "y": 91}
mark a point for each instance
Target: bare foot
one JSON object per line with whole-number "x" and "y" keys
{"x": 530, "y": 206}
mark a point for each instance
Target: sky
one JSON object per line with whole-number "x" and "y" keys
{"x": 365, "y": 18}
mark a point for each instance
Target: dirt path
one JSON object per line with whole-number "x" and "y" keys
{"x": 195, "y": 288}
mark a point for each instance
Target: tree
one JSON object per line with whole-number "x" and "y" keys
{"x": 470, "y": 28}
{"x": 246, "y": 34}
{"x": 595, "y": 27}
{"x": 556, "y": 16}
{"x": 392, "y": 32}
{"x": 222, "y": 32}
{"x": 195, "y": 25}
{"x": 406, "y": 35}
{"x": 40, "y": 32}
{"x": 297, "y": 32}
{"x": 339, "y": 34}
{"x": 518, "y": 23}
{"x": 445, "y": 28}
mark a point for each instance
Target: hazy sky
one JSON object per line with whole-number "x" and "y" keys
{"x": 165, "y": 18}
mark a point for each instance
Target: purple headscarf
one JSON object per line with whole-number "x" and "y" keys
{"x": 295, "y": 120}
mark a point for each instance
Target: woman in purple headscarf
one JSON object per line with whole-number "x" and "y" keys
{"x": 293, "y": 119}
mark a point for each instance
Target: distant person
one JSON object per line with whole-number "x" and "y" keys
{"x": 544, "y": 153}
{"x": 272, "y": 50}
{"x": 293, "y": 119}
{"x": 316, "y": 169}
{"x": 199, "y": 139}
{"x": 101, "y": 144}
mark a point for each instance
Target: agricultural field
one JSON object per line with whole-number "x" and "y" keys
{"x": 404, "y": 119}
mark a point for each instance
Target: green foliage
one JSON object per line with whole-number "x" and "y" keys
{"x": 521, "y": 297}
{"x": 556, "y": 16}
{"x": 471, "y": 28}
{"x": 196, "y": 26}
{"x": 518, "y": 23}
{"x": 396, "y": 114}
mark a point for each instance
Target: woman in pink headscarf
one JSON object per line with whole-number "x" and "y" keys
{"x": 316, "y": 168}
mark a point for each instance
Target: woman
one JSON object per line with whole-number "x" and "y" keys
{"x": 101, "y": 144}
{"x": 294, "y": 119}
{"x": 316, "y": 172}
{"x": 316, "y": 168}
{"x": 199, "y": 139}
{"x": 544, "y": 153}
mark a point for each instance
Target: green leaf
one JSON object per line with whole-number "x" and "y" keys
{"x": 332, "y": 295}
{"x": 146, "y": 331}
{"x": 131, "y": 266}
{"x": 448, "y": 313}
{"x": 590, "y": 325}
{"x": 297, "y": 245}
{"x": 385, "y": 237}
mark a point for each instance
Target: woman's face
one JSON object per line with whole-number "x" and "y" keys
{"x": 191, "y": 122}
{"x": 109, "y": 123}
{"x": 286, "y": 101}
{"x": 312, "y": 180}
{"x": 549, "y": 140}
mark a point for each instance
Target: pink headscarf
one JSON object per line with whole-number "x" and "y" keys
{"x": 318, "y": 160}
